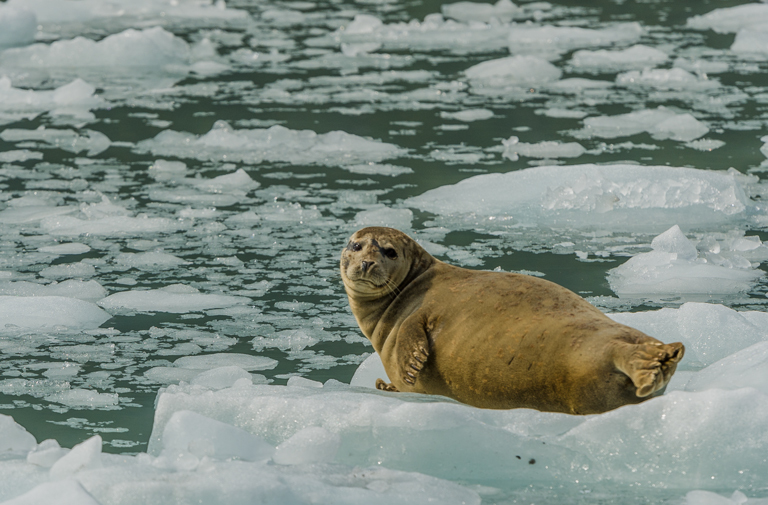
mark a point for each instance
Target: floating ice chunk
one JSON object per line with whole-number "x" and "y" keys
{"x": 378, "y": 169}
{"x": 701, "y": 497}
{"x": 513, "y": 148}
{"x": 84, "y": 399}
{"x": 368, "y": 371}
{"x": 385, "y": 216}
{"x": 661, "y": 123}
{"x": 675, "y": 432}
{"x": 577, "y": 85}
{"x": 752, "y": 41}
{"x": 18, "y": 155}
{"x": 114, "y": 12}
{"x": 92, "y": 142}
{"x": 220, "y": 378}
{"x": 14, "y": 439}
{"x": 730, "y": 19}
{"x": 293, "y": 340}
{"x": 710, "y": 332}
{"x": 636, "y": 57}
{"x": 60, "y": 492}
{"x": 31, "y": 213}
{"x": 226, "y": 359}
{"x": 171, "y": 375}
{"x": 109, "y": 226}
{"x": 468, "y": 115}
{"x": 74, "y": 99}
{"x": 665, "y": 78}
{"x": 150, "y": 261}
{"x": 747, "y": 368}
{"x": 68, "y": 271}
{"x": 512, "y": 71}
{"x": 238, "y": 181}
{"x": 177, "y": 299}
{"x": 503, "y": 11}
{"x": 705, "y": 144}
{"x": 164, "y": 170}
{"x": 302, "y": 382}
{"x": 85, "y": 455}
{"x": 611, "y": 197}
{"x": 433, "y": 34}
{"x": 49, "y": 311}
{"x": 310, "y": 445}
{"x": 191, "y": 433}
{"x": 151, "y": 47}
{"x": 17, "y": 26}
{"x": 275, "y": 144}
{"x": 65, "y": 249}
{"x": 362, "y": 24}
{"x": 560, "y": 39}
{"x": 673, "y": 267}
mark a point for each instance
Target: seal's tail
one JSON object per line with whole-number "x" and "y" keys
{"x": 650, "y": 365}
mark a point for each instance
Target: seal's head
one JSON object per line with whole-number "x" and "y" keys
{"x": 377, "y": 261}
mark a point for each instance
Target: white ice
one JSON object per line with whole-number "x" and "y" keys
{"x": 49, "y": 312}
{"x": 512, "y": 71}
{"x": 661, "y": 123}
{"x": 551, "y": 149}
{"x": 150, "y": 48}
{"x": 612, "y": 197}
{"x": 17, "y": 26}
{"x": 636, "y": 57}
{"x": 177, "y": 299}
{"x": 676, "y": 266}
{"x": 274, "y": 144}
{"x": 560, "y": 39}
{"x": 731, "y": 19}
{"x": 74, "y": 99}
{"x": 89, "y": 290}
{"x": 52, "y": 12}
{"x": 752, "y": 41}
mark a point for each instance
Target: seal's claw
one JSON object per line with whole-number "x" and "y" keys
{"x": 384, "y": 386}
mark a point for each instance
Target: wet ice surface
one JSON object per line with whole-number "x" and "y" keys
{"x": 177, "y": 179}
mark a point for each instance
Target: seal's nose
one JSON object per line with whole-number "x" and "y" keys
{"x": 365, "y": 265}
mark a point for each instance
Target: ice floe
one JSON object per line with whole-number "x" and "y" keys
{"x": 610, "y": 197}
{"x": 561, "y": 39}
{"x": 636, "y": 57}
{"x": 677, "y": 266}
{"x": 661, "y": 123}
{"x": 275, "y": 144}
{"x": 177, "y": 298}
{"x": 49, "y": 311}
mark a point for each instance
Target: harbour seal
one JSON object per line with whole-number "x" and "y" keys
{"x": 493, "y": 339}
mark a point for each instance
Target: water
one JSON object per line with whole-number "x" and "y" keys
{"x": 140, "y": 160}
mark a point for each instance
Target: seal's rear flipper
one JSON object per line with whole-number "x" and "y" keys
{"x": 650, "y": 365}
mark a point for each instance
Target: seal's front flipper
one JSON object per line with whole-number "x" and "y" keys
{"x": 649, "y": 365}
{"x": 411, "y": 359}
{"x": 385, "y": 386}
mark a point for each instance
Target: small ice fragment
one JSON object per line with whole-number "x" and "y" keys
{"x": 84, "y": 455}
{"x": 468, "y": 115}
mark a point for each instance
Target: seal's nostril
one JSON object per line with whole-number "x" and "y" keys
{"x": 365, "y": 265}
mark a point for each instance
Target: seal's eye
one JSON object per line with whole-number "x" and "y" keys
{"x": 389, "y": 253}
{"x": 354, "y": 246}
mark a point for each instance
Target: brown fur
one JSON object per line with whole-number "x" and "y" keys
{"x": 494, "y": 340}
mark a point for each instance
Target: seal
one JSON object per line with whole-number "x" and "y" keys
{"x": 494, "y": 339}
